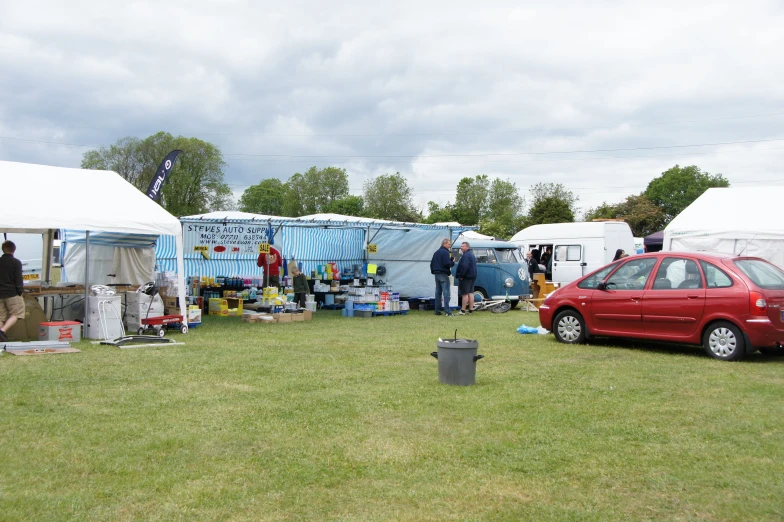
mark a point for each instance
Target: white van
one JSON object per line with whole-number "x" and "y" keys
{"x": 578, "y": 248}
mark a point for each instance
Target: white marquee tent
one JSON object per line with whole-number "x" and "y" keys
{"x": 78, "y": 199}
{"x": 731, "y": 220}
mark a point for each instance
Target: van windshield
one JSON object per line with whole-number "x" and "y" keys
{"x": 509, "y": 255}
{"x": 762, "y": 273}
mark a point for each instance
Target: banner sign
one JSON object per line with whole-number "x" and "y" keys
{"x": 264, "y": 248}
{"x": 161, "y": 175}
{"x": 224, "y": 241}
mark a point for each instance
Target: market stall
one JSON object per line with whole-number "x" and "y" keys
{"x": 329, "y": 248}
{"x": 87, "y": 200}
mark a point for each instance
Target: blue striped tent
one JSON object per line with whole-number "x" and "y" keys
{"x": 308, "y": 245}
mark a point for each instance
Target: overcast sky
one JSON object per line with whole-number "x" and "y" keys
{"x": 601, "y": 97}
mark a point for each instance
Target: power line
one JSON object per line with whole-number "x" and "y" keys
{"x": 527, "y": 153}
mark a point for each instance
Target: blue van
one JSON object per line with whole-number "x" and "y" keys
{"x": 501, "y": 270}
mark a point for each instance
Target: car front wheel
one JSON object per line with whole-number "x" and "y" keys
{"x": 569, "y": 327}
{"x": 724, "y": 341}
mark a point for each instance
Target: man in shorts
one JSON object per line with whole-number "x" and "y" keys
{"x": 12, "y": 305}
{"x": 466, "y": 276}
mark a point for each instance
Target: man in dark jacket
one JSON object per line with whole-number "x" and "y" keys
{"x": 441, "y": 266}
{"x": 466, "y": 276}
{"x": 12, "y": 305}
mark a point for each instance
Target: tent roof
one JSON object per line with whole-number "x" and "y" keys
{"x": 232, "y": 215}
{"x": 313, "y": 220}
{"x": 471, "y": 234}
{"x": 657, "y": 238}
{"x": 731, "y": 212}
{"x": 77, "y": 199}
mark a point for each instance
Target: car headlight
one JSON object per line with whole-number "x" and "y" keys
{"x": 509, "y": 283}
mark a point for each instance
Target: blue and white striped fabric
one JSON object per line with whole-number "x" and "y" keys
{"x": 316, "y": 246}
{"x": 196, "y": 265}
{"x": 114, "y": 239}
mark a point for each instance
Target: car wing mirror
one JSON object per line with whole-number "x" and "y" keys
{"x": 601, "y": 286}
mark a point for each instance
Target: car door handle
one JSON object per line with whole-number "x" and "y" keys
{"x": 692, "y": 297}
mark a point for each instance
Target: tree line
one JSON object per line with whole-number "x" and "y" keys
{"x": 494, "y": 205}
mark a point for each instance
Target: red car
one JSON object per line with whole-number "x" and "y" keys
{"x": 731, "y": 305}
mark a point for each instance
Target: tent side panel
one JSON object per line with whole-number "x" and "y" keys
{"x": 406, "y": 255}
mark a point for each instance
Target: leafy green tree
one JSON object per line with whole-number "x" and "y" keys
{"x": 314, "y": 191}
{"x": 504, "y": 210}
{"x": 551, "y": 203}
{"x": 389, "y": 197}
{"x": 643, "y": 217}
{"x": 264, "y": 198}
{"x": 471, "y": 199}
{"x": 439, "y": 214}
{"x": 196, "y": 182}
{"x": 550, "y": 209}
{"x": 348, "y": 206}
{"x": 603, "y": 211}
{"x": 678, "y": 187}
{"x": 120, "y": 157}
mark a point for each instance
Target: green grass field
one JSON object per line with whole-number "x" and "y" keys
{"x": 344, "y": 419}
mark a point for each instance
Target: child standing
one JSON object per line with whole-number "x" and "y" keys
{"x": 301, "y": 288}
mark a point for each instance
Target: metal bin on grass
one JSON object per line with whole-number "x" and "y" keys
{"x": 457, "y": 361}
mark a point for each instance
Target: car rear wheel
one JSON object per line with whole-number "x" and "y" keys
{"x": 724, "y": 341}
{"x": 569, "y": 327}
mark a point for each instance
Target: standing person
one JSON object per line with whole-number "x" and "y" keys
{"x": 547, "y": 261}
{"x": 441, "y": 266}
{"x": 466, "y": 275}
{"x": 619, "y": 254}
{"x": 271, "y": 263}
{"x": 533, "y": 267}
{"x": 12, "y": 305}
{"x": 300, "y": 286}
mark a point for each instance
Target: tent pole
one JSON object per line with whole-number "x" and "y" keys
{"x": 46, "y": 263}
{"x": 179, "y": 247}
{"x": 86, "y": 272}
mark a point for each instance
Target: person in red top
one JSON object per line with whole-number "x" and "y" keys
{"x": 271, "y": 272}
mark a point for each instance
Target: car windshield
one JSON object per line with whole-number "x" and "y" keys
{"x": 762, "y": 273}
{"x": 508, "y": 255}
{"x": 592, "y": 281}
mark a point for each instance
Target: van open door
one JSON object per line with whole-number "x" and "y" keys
{"x": 568, "y": 262}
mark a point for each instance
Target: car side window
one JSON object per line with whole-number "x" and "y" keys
{"x": 632, "y": 275}
{"x": 715, "y": 277}
{"x": 568, "y": 252}
{"x": 677, "y": 273}
{"x": 485, "y": 255}
{"x": 590, "y": 283}
{"x": 506, "y": 255}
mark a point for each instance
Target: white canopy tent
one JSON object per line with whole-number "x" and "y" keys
{"x": 78, "y": 199}
{"x": 731, "y": 220}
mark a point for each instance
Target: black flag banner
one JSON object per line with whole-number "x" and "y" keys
{"x": 161, "y": 175}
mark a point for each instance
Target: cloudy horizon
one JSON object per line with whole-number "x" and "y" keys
{"x": 602, "y": 98}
